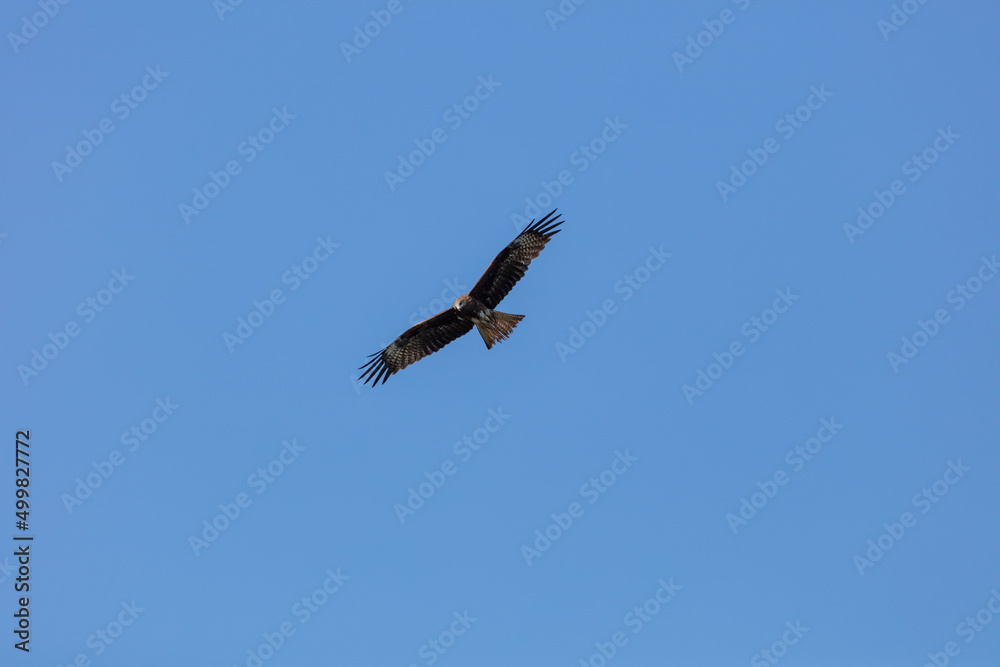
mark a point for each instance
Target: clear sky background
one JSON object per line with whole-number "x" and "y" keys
{"x": 724, "y": 185}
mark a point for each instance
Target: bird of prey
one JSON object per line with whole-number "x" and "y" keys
{"x": 473, "y": 309}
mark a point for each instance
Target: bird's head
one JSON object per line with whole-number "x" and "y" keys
{"x": 463, "y": 303}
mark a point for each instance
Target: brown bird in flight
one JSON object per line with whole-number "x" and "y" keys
{"x": 474, "y": 308}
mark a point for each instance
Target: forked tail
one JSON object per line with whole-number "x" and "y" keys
{"x": 498, "y": 327}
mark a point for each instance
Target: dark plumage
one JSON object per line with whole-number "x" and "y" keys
{"x": 472, "y": 309}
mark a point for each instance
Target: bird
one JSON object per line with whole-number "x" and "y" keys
{"x": 475, "y": 309}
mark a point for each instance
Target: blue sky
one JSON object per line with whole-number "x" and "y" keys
{"x": 750, "y": 415}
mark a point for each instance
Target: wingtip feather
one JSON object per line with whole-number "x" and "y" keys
{"x": 545, "y": 225}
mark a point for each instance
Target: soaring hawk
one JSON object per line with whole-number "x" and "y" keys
{"x": 474, "y": 308}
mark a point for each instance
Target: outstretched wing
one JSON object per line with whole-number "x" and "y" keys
{"x": 420, "y": 340}
{"x": 510, "y": 265}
